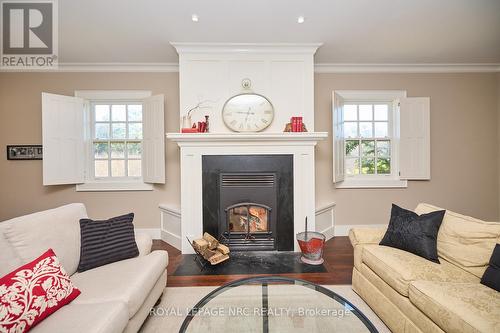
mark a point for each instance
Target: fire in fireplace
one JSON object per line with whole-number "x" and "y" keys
{"x": 248, "y": 218}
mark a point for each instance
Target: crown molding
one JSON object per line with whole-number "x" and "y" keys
{"x": 407, "y": 68}
{"x": 130, "y": 67}
{"x": 334, "y": 68}
{"x": 284, "y": 48}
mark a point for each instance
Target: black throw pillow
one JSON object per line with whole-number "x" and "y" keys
{"x": 491, "y": 276}
{"x": 413, "y": 233}
{"x": 104, "y": 242}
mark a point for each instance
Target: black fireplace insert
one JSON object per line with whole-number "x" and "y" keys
{"x": 248, "y": 201}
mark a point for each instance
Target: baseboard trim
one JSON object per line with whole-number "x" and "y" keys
{"x": 328, "y": 232}
{"x": 171, "y": 239}
{"x": 153, "y": 232}
{"x": 343, "y": 230}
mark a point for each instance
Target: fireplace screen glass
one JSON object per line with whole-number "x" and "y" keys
{"x": 248, "y": 218}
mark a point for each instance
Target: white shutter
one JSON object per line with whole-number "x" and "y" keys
{"x": 338, "y": 138}
{"x": 153, "y": 142}
{"x": 62, "y": 136}
{"x": 414, "y": 146}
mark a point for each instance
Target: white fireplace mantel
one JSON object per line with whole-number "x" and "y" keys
{"x": 194, "y": 146}
{"x": 287, "y": 138}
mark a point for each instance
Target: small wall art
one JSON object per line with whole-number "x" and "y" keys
{"x": 24, "y": 152}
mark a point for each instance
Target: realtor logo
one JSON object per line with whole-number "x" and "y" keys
{"x": 29, "y": 34}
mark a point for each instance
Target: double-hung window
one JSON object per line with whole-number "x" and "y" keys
{"x": 369, "y": 138}
{"x": 381, "y": 139}
{"x": 116, "y": 140}
{"x": 104, "y": 140}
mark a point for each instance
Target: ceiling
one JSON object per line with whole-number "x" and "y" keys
{"x": 353, "y": 31}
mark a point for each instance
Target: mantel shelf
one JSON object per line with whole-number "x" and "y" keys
{"x": 234, "y": 138}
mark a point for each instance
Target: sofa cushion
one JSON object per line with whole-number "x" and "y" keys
{"x": 458, "y": 307}
{"x": 104, "y": 242}
{"x": 399, "y": 268}
{"x": 33, "y": 292}
{"x": 111, "y": 317}
{"x": 56, "y": 228}
{"x": 465, "y": 241}
{"x": 414, "y": 233}
{"x": 128, "y": 281}
{"x": 8, "y": 257}
{"x": 491, "y": 277}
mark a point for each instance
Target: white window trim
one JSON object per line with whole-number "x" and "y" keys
{"x": 97, "y": 186}
{"x": 377, "y": 181}
{"x": 110, "y": 185}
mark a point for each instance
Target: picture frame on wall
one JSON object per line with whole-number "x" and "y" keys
{"x": 24, "y": 152}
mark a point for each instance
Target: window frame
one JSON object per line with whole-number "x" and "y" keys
{"x": 92, "y": 183}
{"x": 373, "y": 97}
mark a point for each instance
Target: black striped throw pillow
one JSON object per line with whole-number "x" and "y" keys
{"x": 104, "y": 242}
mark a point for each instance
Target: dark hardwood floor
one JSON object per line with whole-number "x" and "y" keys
{"x": 338, "y": 255}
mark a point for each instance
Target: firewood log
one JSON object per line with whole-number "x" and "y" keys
{"x": 200, "y": 245}
{"x": 207, "y": 254}
{"x": 223, "y": 248}
{"x": 218, "y": 258}
{"x": 212, "y": 241}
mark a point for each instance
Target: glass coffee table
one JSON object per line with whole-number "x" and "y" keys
{"x": 274, "y": 304}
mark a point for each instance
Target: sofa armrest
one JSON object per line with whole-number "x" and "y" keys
{"x": 144, "y": 242}
{"x": 360, "y": 236}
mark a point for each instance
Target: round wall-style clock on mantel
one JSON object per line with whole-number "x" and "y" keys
{"x": 247, "y": 112}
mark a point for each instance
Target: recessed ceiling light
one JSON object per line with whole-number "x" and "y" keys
{"x": 194, "y": 18}
{"x": 300, "y": 19}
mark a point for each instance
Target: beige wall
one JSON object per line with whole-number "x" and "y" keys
{"x": 498, "y": 116}
{"x": 465, "y": 149}
{"x": 21, "y": 189}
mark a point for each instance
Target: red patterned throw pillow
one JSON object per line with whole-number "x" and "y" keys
{"x": 33, "y": 292}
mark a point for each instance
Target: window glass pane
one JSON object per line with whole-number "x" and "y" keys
{"x": 118, "y": 113}
{"x": 352, "y": 166}
{"x": 135, "y": 112}
{"x": 352, "y": 148}
{"x": 383, "y": 165}
{"x": 102, "y": 130}
{"x": 101, "y": 150}
{"x": 117, "y": 168}
{"x": 135, "y": 131}
{"x": 365, "y": 112}
{"x": 367, "y": 148}
{"x": 118, "y": 130}
{"x": 101, "y": 168}
{"x": 350, "y": 112}
{"x": 383, "y": 148}
{"x": 351, "y": 130}
{"x": 366, "y": 130}
{"x": 134, "y": 168}
{"x": 117, "y": 150}
{"x": 367, "y": 166}
{"x": 381, "y": 112}
{"x": 134, "y": 149}
{"x": 381, "y": 130}
{"x": 101, "y": 112}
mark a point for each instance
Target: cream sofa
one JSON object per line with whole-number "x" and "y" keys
{"x": 412, "y": 294}
{"x": 114, "y": 298}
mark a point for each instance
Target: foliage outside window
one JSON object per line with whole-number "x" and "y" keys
{"x": 117, "y": 140}
{"x": 367, "y": 129}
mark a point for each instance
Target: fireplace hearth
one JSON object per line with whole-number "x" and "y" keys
{"x": 248, "y": 201}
